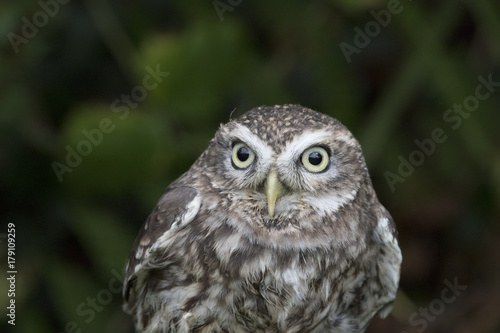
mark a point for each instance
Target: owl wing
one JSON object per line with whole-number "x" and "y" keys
{"x": 177, "y": 207}
{"x": 389, "y": 259}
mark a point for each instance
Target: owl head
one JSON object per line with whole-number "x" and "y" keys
{"x": 287, "y": 176}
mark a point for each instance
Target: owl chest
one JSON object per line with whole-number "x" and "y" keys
{"x": 264, "y": 294}
{"x": 265, "y": 291}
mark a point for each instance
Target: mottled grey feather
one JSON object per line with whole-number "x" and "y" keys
{"x": 211, "y": 258}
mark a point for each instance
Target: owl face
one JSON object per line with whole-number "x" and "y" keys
{"x": 286, "y": 172}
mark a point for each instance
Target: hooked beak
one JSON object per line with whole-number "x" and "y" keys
{"x": 274, "y": 189}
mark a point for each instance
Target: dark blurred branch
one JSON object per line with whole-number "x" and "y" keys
{"x": 453, "y": 84}
{"x": 390, "y": 106}
{"x": 487, "y": 18}
{"x": 115, "y": 37}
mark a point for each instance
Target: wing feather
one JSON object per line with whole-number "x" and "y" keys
{"x": 177, "y": 207}
{"x": 389, "y": 260}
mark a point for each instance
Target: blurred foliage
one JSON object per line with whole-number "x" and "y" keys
{"x": 74, "y": 231}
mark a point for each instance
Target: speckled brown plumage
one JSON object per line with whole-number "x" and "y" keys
{"x": 214, "y": 257}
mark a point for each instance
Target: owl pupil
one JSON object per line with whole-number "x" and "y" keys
{"x": 315, "y": 158}
{"x": 243, "y": 154}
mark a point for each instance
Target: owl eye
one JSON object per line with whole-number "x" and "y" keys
{"x": 242, "y": 156}
{"x": 315, "y": 159}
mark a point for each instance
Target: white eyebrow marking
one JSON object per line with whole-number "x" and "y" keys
{"x": 301, "y": 143}
{"x": 265, "y": 156}
{"x": 259, "y": 147}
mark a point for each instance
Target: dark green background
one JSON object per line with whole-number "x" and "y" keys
{"x": 73, "y": 236}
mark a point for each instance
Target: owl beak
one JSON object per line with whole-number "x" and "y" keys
{"x": 274, "y": 189}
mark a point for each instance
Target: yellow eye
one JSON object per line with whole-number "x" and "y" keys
{"x": 315, "y": 159}
{"x": 242, "y": 156}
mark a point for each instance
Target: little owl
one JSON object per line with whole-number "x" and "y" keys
{"x": 275, "y": 228}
